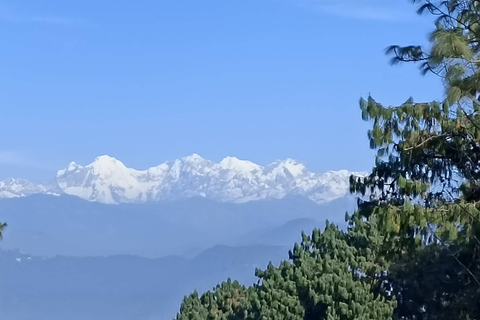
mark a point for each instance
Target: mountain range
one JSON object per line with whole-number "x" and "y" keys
{"x": 104, "y": 241}
{"x": 108, "y": 180}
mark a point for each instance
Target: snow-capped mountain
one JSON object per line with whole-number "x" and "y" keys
{"x": 108, "y": 180}
{"x": 13, "y": 188}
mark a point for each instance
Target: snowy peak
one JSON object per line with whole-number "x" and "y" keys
{"x": 108, "y": 180}
{"x": 105, "y": 180}
{"x": 193, "y": 158}
{"x": 235, "y": 164}
{"x": 14, "y": 188}
{"x": 71, "y": 167}
{"x": 287, "y": 168}
{"x": 296, "y": 169}
{"x": 106, "y": 161}
{"x": 107, "y": 166}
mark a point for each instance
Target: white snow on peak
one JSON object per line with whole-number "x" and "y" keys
{"x": 293, "y": 167}
{"x": 108, "y": 166}
{"x": 108, "y": 180}
{"x": 105, "y": 160}
{"x": 193, "y": 158}
{"x": 14, "y": 188}
{"x": 233, "y": 163}
{"x": 71, "y": 167}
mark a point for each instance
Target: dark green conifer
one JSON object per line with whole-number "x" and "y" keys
{"x": 229, "y": 300}
{"x": 331, "y": 275}
{"x": 425, "y": 188}
{"x": 2, "y": 226}
{"x": 328, "y": 278}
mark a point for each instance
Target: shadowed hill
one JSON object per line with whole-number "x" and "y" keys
{"x": 119, "y": 287}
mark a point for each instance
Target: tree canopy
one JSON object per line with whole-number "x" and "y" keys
{"x": 327, "y": 278}
{"x": 425, "y": 187}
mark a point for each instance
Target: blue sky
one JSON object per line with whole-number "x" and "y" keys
{"x": 148, "y": 81}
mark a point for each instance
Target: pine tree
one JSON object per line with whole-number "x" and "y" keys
{"x": 425, "y": 187}
{"x": 228, "y": 301}
{"x": 331, "y": 275}
{"x": 454, "y": 47}
{"x": 2, "y": 226}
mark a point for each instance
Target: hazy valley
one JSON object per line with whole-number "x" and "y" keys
{"x": 82, "y": 257}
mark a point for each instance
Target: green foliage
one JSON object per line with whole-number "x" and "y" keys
{"x": 331, "y": 275}
{"x": 228, "y": 300}
{"x": 329, "y": 278}
{"x": 432, "y": 285}
{"x": 424, "y": 192}
{"x": 454, "y": 48}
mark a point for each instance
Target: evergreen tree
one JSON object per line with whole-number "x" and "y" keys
{"x": 228, "y": 301}
{"x": 425, "y": 187}
{"x": 2, "y": 226}
{"x": 454, "y": 48}
{"x": 331, "y": 275}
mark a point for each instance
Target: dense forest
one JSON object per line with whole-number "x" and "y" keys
{"x": 412, "y": 247}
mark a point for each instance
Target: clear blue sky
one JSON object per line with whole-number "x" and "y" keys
{"x": 148, "y": 81}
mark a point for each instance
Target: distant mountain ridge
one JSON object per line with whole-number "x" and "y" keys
{"x": 121, "y": 287}
{"x": 108, "y": 180}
